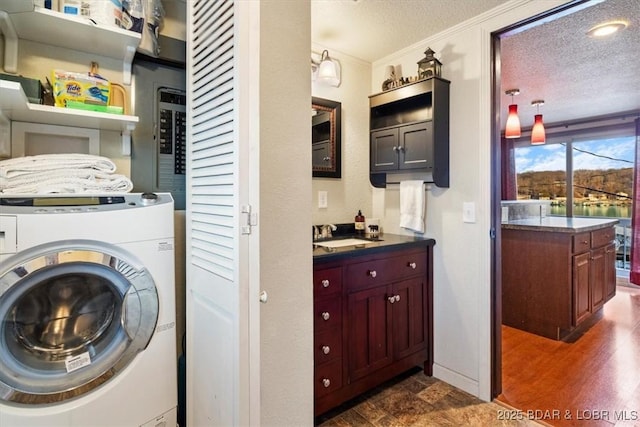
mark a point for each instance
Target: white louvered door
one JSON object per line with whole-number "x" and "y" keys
{"x": 222, "y": 344}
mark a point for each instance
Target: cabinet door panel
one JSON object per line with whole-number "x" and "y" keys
{"x": 610, "y": 271}
{"x": 416, "y": 142}
{"x": 598, "y": 278}
{"x": 581, "y": 297}
{"x": 384, "y": 153}
{"x": 370, "y": 345}
{"x": 409, "y": 321}
{"x": 321, "y": 155}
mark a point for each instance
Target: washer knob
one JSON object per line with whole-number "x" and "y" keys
{"x": 148, "y": 198}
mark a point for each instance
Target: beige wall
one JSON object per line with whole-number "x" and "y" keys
{"x": 462, "y": 258}
{"x": 286, "y": 320}
{"x": 352, "y": 191}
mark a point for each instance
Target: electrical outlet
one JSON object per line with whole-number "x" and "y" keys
{"x": 323, "y": 201}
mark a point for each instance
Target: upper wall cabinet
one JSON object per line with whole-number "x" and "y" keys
{"x": 410, "y": 131}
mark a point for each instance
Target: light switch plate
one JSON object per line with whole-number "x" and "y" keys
{"x": 323, "y": 201}
{"x": 505, "y": 214}
{"x": 469, "y": 212}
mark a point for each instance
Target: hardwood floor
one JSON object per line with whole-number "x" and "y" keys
{"x": 593, "y": 381}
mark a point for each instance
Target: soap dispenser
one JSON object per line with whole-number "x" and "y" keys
{"x": 359, "y": 223}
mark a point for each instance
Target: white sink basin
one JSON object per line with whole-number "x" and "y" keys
{"x": 341, "y": 243}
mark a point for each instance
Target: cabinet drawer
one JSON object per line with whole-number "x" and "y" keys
{"x": 602, "y": 237}
{"x": 581, "y": 242}
{"x": 373, "y": 273}
{"x": 328, "y": 345}
{"x": 327, "y": 281}
{"x": 327, "y": 314}
{"x": 328, "y": 378}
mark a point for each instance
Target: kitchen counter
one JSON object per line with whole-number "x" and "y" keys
{"x": 559, "y": 224}
{"x": 373, "y": 246}
{"x": 557, "y": 274}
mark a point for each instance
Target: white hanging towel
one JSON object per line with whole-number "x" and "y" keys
{"x": 412, "y": 205}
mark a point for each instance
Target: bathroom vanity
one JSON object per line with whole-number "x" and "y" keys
{"x": 557, "y": 273}
{"x": 373, "y": 315}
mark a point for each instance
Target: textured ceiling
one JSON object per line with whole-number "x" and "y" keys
{"x": 575, "y": 75}
{"x": 373, "y": 29}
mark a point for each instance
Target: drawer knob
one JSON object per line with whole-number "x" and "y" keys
{"x": 325, "y": 315}
{"x": 372, "y": 273}
{"x": 325, "y": 283}
{"x": 585, "y": 242}
{"x": 397, "y": 298}
{"x": 326, "y": 383}
{"x": 326, "y": 349}
{"x": 412, "y": 265}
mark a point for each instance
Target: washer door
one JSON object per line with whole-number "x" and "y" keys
{"x": 72, "y": 318}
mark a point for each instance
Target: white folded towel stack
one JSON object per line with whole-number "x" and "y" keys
{"x": 412, "y": 205}
{"x": 61, "y": 173}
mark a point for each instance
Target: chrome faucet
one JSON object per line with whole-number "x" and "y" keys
{"x": 327, "y": 229}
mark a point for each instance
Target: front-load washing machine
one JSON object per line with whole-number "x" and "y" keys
{"x": 87, "y": 311}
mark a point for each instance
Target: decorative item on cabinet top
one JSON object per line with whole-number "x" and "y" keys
{"x": 428, "y": 67}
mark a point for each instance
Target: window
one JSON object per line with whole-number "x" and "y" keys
{"x": 595, "y": 163}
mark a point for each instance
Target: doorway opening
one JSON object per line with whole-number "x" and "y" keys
{"x": 581, "y": 171}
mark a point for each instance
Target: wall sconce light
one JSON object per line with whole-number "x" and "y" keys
{"x": 326, "y": 70}
{"x": 512, "y": 128}
{"x": 538, "y": 136}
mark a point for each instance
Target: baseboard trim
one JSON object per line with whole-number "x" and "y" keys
{"x": 456, "y": 380}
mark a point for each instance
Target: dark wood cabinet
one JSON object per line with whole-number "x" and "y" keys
{"x": 403, "y": 148}
{"x": 594, "y": 273}
{"x": 555, "y": 282}
{"x": 327, "y": 327}
{"x": 370, "y": 331}
{"x": 410, "y": 130}
{"x": 385, "y": 327}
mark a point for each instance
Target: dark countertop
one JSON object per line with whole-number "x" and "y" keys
{"x": 383, "y": 244}
{"x": 559, "y": 224}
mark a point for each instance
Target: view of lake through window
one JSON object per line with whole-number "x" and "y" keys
{"x": 602, "y": 175}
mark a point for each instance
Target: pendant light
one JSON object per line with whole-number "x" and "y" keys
{"x": 538, "y": 136}
{"x": 512, "y": 128}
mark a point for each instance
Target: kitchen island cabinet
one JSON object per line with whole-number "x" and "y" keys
{"x": 557, "y": 274}
{"x": 372, "y": 316}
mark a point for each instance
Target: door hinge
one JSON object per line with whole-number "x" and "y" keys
{"x": 251, "y": 219}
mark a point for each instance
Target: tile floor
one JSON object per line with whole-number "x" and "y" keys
{"x": 417, "y": 400}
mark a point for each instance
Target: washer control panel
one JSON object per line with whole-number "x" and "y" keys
{"x": 80, "y": 203}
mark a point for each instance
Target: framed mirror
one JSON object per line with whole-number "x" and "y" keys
{"x": 326, "y": 138}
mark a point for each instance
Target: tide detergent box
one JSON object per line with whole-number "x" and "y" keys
{"x": 81, "y": 87}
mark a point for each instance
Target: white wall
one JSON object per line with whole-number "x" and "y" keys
{"x": 352, "y": 191}
{"x": 462, "y": 259}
